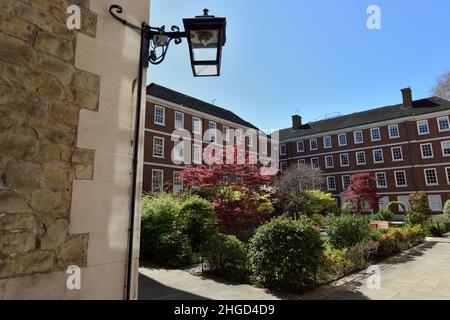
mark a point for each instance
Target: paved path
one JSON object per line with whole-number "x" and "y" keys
{"x": 420, "y": 273}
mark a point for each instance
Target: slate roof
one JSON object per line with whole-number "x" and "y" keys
{"x": 167, "y": 94}
{"x": 423, "y": 106}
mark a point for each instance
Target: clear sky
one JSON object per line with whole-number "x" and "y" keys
{"x": 312, "y": 57}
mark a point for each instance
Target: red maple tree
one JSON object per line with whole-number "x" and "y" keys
{"x": 362, "y": 190}
{"x": 234, "y": 187}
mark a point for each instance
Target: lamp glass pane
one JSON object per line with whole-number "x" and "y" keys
{"x": 204, "y": 44}
{"x": 204, "y": 54}
{"x": 205, "y": 70}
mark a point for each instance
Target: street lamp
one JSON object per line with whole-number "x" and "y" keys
{"x": 206, "y": 37}
{"x": 205, "y": 34}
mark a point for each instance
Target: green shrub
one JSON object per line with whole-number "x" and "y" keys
{"x": 310, "y": 202}
{"x": 346, "y": 230}
{"x": 335, "y": 264}
{"x": 286, "y": 253}
{"x": 420, "y": 209}
{"x": 435, "y": 229}
{"x": 395, "y": 204}
{"x": 399, "y": 239}
{"x": 348, "y": 208}
{"x": 173, "y": 250}
{"x": 383, "y": 215}
{"x": 227, "y": 256}
{"x": 158, "y": 218}
{"x": 197, "y": 220}
{"x": 447, "y": 208}
{"x": 318, "y": 220}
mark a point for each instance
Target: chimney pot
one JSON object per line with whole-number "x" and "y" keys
{"x": 296, "y": 122}
{"x": 407, "y": 98}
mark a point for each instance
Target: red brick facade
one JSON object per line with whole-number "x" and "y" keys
{"x": 412, "y": 162}
{"x": 164, "y": 163}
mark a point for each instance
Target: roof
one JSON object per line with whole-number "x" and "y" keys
{"x": 164, "y": 93}
{"x": 423, "y": 106}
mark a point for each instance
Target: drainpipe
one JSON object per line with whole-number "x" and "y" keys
{"x": 134, "y": 171}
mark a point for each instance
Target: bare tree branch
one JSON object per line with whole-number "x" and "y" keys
{"x": 300, "y": 178}
{"x": 442, "y": 88}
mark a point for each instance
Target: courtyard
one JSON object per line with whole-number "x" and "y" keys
{"x": 419, "y": 273}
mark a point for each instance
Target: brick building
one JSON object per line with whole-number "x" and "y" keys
{"x": 406, "y": 146}
{"x": 168, "y": 110}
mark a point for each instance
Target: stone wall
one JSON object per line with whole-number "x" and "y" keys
{"x": 67, "y": 101}
{"x": 41, "y": 94}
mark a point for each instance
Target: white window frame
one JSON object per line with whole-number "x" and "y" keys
{"x": 348, "y": 159}
{"x": 310, "y": 144}
{"x": 383, "y": 202}
{"x": 425, "y": 177}
{"x": 405, "y": 201}
{"x": 301, "y": 162}
{"x": 442, "y": 147}
{"x": 162, "y": 151}
{"x": 212, "y": 131}
{"x": 439, "y": 126}
{"x": 162, "y": 180}
{"x": 176, "y": 148}
{"x": 326, "y": 162}
{"x": 357, "y": 160}
{"x": 339, "y": 139}
{"x": 318, "y": 162}
{"x": 302, "y": 143}
{"x": 196, "y": 160}
{"x": 250, "y": 140}
{"x": 447, "y": 173}
{"x": 374, "y": 158}
{"x": 174, "y": 184}
{"x": 226, "y": 133}
{"x": 398, "y": 131}
{"x": 328, "y": 183}
{"x": 392, "y": 154}
{"x": 385, "y": 180}
{"x": 325, "y": 146}
{"x": 163, "y": 116}
{"x": 281, "y": 149}
{"x": 362, "y": 137}
{"x": 421, "y": 150}
{"x": 396, "y": 181}
{"x": 371, "y": 134}
{"x": 182, "y": 120}
{"x": 282, "y": 164}
{"x": 343, "y": 181}
{"x": 199, "y": 125}
{"x": 419, "y": 123}
{"x": 436, "y": 196}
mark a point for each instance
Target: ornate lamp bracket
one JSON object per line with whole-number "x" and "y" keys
{"x": 156, "y": 40}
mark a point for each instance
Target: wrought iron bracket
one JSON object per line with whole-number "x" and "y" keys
{"x": 156, "y": 40}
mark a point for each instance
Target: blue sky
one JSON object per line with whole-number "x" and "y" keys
{"x": 313, "y": 57}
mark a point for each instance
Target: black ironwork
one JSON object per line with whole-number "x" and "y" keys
{"x": 157, "y": 40}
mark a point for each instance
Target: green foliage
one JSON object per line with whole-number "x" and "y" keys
{"x": 395, "y": 204}
{"x": 197, "y": 220}
{"x": 318, "y": 220}
{"x": 435, "y": 229}
{"x": 447, "y": 208}
{"x": 399, "y": 239}
{"x": 420, "y": 209}
{"x": 346, "y": 230}
{"x": 173, "y": 250}
{"x": 227, "y": 256}
{"x": 348, "y": 208}
{"x": 159, "y": 214}
{"x": 162, "y": 239}
{"x": 286, "y": 253}
{"x": 310, "y": 202}
{"x": 383, "y": 215}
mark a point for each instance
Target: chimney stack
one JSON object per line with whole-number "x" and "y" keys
{"x": 296, "y": 122}
{"x": 407, "y": 98}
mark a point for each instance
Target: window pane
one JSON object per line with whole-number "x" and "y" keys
{"x": 205, "y": 70}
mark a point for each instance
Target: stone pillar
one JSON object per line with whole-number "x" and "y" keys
{"x": 67, "y": 101}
